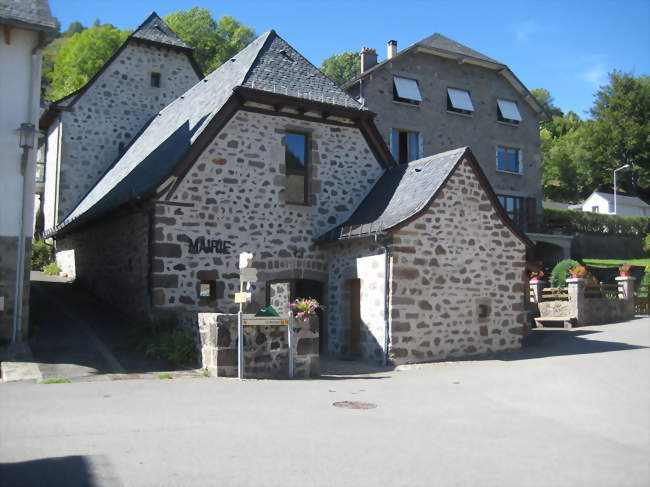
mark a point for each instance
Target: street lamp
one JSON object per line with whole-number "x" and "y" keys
{"x": 615, "y": 170}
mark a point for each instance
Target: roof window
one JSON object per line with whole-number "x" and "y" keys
{"x": 508, "y": 111}
{"x": 459, "y": 101}
{"x": 406, "y": 90}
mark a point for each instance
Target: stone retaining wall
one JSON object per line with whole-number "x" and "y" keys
{"x": 265, "y": 348}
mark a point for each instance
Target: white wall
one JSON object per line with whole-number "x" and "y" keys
{"x": 16, "y": 81}
{"x": 605, "y": 207}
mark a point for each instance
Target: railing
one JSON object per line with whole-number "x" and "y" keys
{"x": 642, "y": 300}
{"x": 333, "y": 97}
{"x": 608, "y": 291}
{"x": 555, "y": 293}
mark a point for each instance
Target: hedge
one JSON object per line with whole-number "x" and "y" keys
{"x": 586, "y": 223}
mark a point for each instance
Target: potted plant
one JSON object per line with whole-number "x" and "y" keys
{"x": 578, "y": 271}
{"x": 536, "y": 276}
{"x": 624, "y": 270}
{"x": 305, "y": 308}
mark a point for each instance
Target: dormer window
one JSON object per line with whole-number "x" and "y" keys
{"x": 508, "y": 112}
{"x": 155, "y": 80}
{"x": 406, "y": 90}
{"x": 459, "y": 101}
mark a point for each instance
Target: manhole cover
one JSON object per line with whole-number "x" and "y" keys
{"x": 354, "y": 405}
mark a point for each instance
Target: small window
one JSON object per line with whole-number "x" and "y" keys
{"x": 514, "y": 206}
{"x": 405, "y": 146}
{"x": 296, "y": 162}
{"x": 509, "y": 160}
{"x": 406, "y": 90}
{"x": 155, "y": 80}
{"x": 507, "y": 111}
{"x": 459, "y": 101}
{"x": 208, "y": 289}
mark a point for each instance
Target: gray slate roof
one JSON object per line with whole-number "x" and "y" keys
{"x": 438, "y": 41}
{"x": 161, "y": 146}
{"x": 400, "y": 193}
{"x": 155, "y": 30}
{"x": 33, "y": 14}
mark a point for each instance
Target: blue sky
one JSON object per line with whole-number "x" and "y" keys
{"x": 567, "y": 47}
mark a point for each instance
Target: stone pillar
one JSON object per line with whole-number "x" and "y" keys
{"x": 536, "y": 287}
{"x": 577, "y": 309}
{"x": 626, "y": 294}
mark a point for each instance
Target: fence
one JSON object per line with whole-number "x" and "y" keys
{"x": 642, "y": 300}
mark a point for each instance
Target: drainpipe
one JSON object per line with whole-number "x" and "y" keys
{"x": 24, "y": 163}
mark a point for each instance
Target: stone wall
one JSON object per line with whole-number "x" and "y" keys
{"x": 451, "y": 263}
{"x": 234, "y": 193}
{"x": 111, "y": 112}
{"x": 8, "y": 251}
{"x": 111, "y": 259}
{"x": 363, "y": 260}
{"x": 265, "y": 348}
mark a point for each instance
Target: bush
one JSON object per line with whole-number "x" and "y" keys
{"x": 52, "y": 269}
{"x": 42, "y": 255}
{"x": 561, "y": 271}
{"x": 160, "y": 337}
{"x": 586, "y": 222}
{"x": 646, "y": 244}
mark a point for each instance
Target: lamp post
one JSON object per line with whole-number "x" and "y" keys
{"x": 615, "y": 171}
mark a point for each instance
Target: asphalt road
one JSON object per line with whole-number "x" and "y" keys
{"x": 572, "y": 409}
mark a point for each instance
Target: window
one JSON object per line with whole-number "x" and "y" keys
{"x": 296, "y": 162}
{"x": 509, "y": 160}
{"x": 594, "y": 209}
{"x": 508, "y": 112}
{"x": 514, "y": 206}
{"x": 459, "y": 101}
{"x": 208, "y": 289}
{"x": 155, "y": 80}
{"x": 406, "y": 90}
{"x": 405, "y": 146}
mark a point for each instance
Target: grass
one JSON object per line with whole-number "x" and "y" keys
{"x": 605, "y": 263}
{"x": 164, "y": 376}
{"x": 56, "y": 381}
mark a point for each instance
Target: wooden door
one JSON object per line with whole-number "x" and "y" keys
{"x": 355, "y": 317}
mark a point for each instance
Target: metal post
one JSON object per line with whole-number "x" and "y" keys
{"x": 240, "y": 337}
{"x": 615, "y": 170}
{"x": 290, "y": 342}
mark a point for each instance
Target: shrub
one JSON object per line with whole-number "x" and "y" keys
{"x": 42, "y": 255}
{"x": 646, "y": 244}
{"x": 586, "y": 222}
{"x": 52, "y": 269}
{"x": 561, "y": 271}
{"x": 160, "y": 337}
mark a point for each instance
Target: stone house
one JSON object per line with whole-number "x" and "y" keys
{"x": 267, "y": 155}
{"x": 24, "y": 28}
{"x": 438, "y": 94}
{"x": 88, "y": 129}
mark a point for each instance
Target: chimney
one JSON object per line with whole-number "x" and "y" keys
{"x": 368, "y": 58}
{"x": 392, "y": 49}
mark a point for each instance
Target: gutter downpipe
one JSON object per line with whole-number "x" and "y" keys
{"x": 24, "y": 162}
{"x": 387, "y": 257}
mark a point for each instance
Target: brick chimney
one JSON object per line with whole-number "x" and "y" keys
{"x": 368, "y": 58}
{"x": 391, "y": 49}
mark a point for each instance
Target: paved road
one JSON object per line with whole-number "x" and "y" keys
{"x": 572, "y": 409}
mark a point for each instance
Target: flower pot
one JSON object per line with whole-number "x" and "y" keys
{"x": 625, "y": 274}
{"x": 576, "y": 276}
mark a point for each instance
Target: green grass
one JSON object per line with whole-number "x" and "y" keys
{"x": 164, "y": 376}
{"x": 56, "y": 381}
{"x": 604, "y": 263}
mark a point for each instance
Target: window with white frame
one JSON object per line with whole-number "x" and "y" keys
{"x": 508, "y": 112}
{"x": 509, "y": 160}
{"x": 459, "y": 101}
{"x": 406, "y": 90}
{"x": 404, "y": 145}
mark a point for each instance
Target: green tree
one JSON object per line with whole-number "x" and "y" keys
{"x": 74, "y": 28}
{"x": 213, "y": 42}
{"x": 81, "y": 57}
{"x": 342, "y": 67}
{"x": 543, "y": 96}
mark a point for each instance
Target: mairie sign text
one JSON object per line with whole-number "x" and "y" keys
{"x": 208, "y": 246}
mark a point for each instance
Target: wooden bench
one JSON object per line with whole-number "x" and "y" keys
{"x": 569, "y": 321}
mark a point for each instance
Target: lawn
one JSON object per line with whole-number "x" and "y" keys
{"x": 604, "y": 263}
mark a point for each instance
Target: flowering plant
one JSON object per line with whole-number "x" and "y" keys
{"x": 578, "y": 271}
{"x": 304, "y": 309}
{"x": 536, "y": 275}
{"x": 624, "y": 267}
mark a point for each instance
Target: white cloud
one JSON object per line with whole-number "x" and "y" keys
{"x": 596, "y": 75}
{"x": 526, "y": 29}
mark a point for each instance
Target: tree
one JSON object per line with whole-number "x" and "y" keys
{"x": 81, "y": 57}
{"x": 342, "y": 67}
{"x": 213, "y": 42}
{"x": 74, "y": 28}
{"x": 543, "y": 96}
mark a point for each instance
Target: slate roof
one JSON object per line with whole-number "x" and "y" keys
{"x": 155, "y": 30}
{"x": 161, "y": 146}
{"x": 621, "y": 199}
{"x": 440, "y": 42}
{"x": 399, "y": 194}
{"x": 31, "y": 14}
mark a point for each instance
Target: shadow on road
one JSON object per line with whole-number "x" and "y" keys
{"x": 60, "y": 471}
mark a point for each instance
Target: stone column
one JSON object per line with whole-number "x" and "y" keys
{"x": 577, "y": 304}
{"x": 536, "y": 287}
{"x": 626, "y": 294}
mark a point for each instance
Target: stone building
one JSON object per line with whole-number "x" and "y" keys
{"x": 88, "y": 129}
{"x": 24, "y": 27}
{"x": 438, "y": 94}
{"x": 267, "y": 155}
